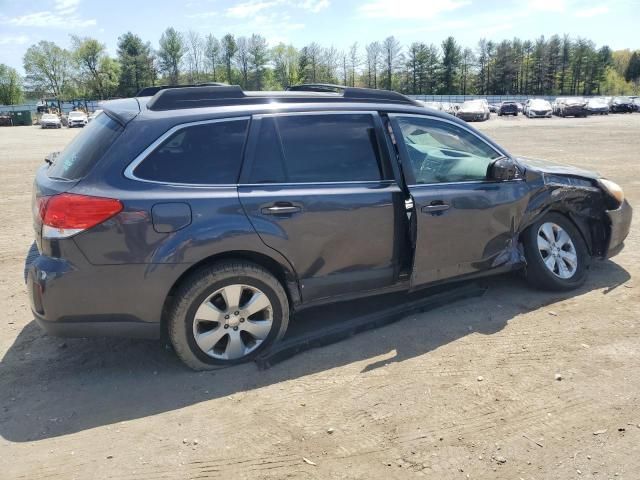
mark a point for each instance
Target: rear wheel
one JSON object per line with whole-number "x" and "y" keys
{"x": 227, "y": 314}
{"x": 556, "y": 254}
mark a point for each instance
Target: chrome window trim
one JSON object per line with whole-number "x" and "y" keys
{"x": 316, "y": 113}
{"x": 388, "y": 181}
{"x": 128, "y": 172}
{"x": 501, "y": 153}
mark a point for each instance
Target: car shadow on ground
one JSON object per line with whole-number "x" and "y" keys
{"x": 51, "y": 387}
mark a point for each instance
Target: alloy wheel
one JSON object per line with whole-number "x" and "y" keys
{"x": 232, "y": 322}
{"x": 557, "y": 250}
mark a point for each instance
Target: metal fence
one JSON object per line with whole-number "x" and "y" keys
{"x": 488, "y": 98}
{"x": 66, "y": 106}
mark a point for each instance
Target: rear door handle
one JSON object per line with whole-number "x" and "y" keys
{"x": 281, "y": 209}
{"x": 435, "y": 208}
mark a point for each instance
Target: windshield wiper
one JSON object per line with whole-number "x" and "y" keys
{"x": 51, "y": 157}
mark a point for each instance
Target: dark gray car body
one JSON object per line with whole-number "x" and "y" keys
{"x": 350, "y": 239}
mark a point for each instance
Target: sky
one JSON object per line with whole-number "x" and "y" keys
{"x": 337, "y": 23}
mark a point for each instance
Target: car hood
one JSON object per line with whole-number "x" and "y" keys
{"x": 471, "y": 110}
{"x": 544, "y": 166}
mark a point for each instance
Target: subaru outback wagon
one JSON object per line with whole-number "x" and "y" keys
{"x": 212, "y": 214}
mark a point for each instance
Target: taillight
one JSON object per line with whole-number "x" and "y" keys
{"x": 66, "y": 214}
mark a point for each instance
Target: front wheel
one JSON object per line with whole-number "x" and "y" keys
{"x": 227, "y": 314}
{"x": 557, "y": 256}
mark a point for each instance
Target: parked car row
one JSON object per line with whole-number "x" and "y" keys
{"x": 76, "y": 118}
{"x": 480, "y": 110}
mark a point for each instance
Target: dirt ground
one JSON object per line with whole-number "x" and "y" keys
{"x": 465, "y": 391}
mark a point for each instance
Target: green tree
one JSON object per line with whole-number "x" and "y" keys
{"x": 258, "y": 58}
{"x": 451, "y": 57}
{"x": 212, "y": 56}
{"x": 48, "y": 69}
{"x": 95, "y": 68}
{"x": 228, "y": 48}
{"x": 137, "y": 64}
{"x": 285, "y": 65}
{"x": 391, "y": 56}
{"x": 10, "y": 86}
{"x": 195, "y": 56}
{"x": 632, "y": 72}
{"x": 170, "y": 54}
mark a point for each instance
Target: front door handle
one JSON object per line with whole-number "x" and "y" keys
{"x": 435, "y": 208}
{"x": 281, "y": 209}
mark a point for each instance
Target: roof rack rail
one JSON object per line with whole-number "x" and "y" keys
{"x": 354, "y": 93}
{"x": 196, "y": 96}
{"x": 151, "y": 91}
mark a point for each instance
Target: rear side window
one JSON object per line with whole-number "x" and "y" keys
{"x": 205, "y": 154}
{"x": 316, "y": 148}
{"x": 75, "y": 161}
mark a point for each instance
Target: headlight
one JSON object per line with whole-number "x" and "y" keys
{"x": 613, "y": 189}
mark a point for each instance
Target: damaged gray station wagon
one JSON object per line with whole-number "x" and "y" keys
{"x": 212, "y": 214}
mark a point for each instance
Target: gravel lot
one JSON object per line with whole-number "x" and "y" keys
{"x": 464, "y": 391}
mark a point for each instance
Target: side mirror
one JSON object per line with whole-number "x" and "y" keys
{"x": 502, "y": 169}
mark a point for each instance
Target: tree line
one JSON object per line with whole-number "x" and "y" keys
{"x": 554, "y": 66}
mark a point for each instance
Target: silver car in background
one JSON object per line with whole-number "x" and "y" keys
{"x": 598, "y": 106}
{"x": 538, "y": 108}
{"x": 474, "y": 111}
{"x": 50, "y": 120}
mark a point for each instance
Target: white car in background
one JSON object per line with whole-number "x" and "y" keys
{"x": 77, "y": 119}
{"x": 94, "y": 115}
{"x": 538, "y": 107}
{"x": 50, "y": 120}
{"x": 474, "y": 111}
{"x": 434, "y": 105}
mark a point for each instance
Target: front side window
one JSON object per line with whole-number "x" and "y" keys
{"x": 316, "y": 148}
{"x": 441, "y": 152}
{"x": 205, "y": 154}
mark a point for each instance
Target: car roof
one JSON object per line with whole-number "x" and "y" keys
{"x": 220, "y": 102}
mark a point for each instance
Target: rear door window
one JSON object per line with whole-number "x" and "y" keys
{"x": 316, "y": 149}
{"x": 75, "y": 161}
{"x": 203, "y": 154}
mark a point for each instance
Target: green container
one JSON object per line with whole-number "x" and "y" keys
{"x": 22, "y": 117}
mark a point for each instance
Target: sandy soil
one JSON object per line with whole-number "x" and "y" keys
{"x": 464, "y": 391}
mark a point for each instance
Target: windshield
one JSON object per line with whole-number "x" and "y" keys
{"x": 472, "y": 105}
{"x": 75, "y": 161}
{"x": 49, "y": 116}
{"x": 539, "y": 104}
{"x": 76, "y": 114}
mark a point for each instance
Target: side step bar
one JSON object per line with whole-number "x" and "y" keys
{"x": 297, "y": 343}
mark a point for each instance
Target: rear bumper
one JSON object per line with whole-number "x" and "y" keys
{"x": 620, "y": 221}
{"x": 92, "y": 300}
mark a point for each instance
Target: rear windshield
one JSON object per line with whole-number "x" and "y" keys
{"x": 75, "y": 161}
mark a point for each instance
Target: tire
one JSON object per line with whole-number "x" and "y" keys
{"x": 204, "y": 293}
{"x": 32, "y": 254}
{"x": 539, "y": 274}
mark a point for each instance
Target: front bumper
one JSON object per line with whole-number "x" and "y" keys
{"x": 471, "y": 117}
{"x": 534, "y": 113}
{"x": 77, "y": 124}
{"x": 575, "y": 111}
{"x": 620, "y": 223}
{"x": 50, "y": 125}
